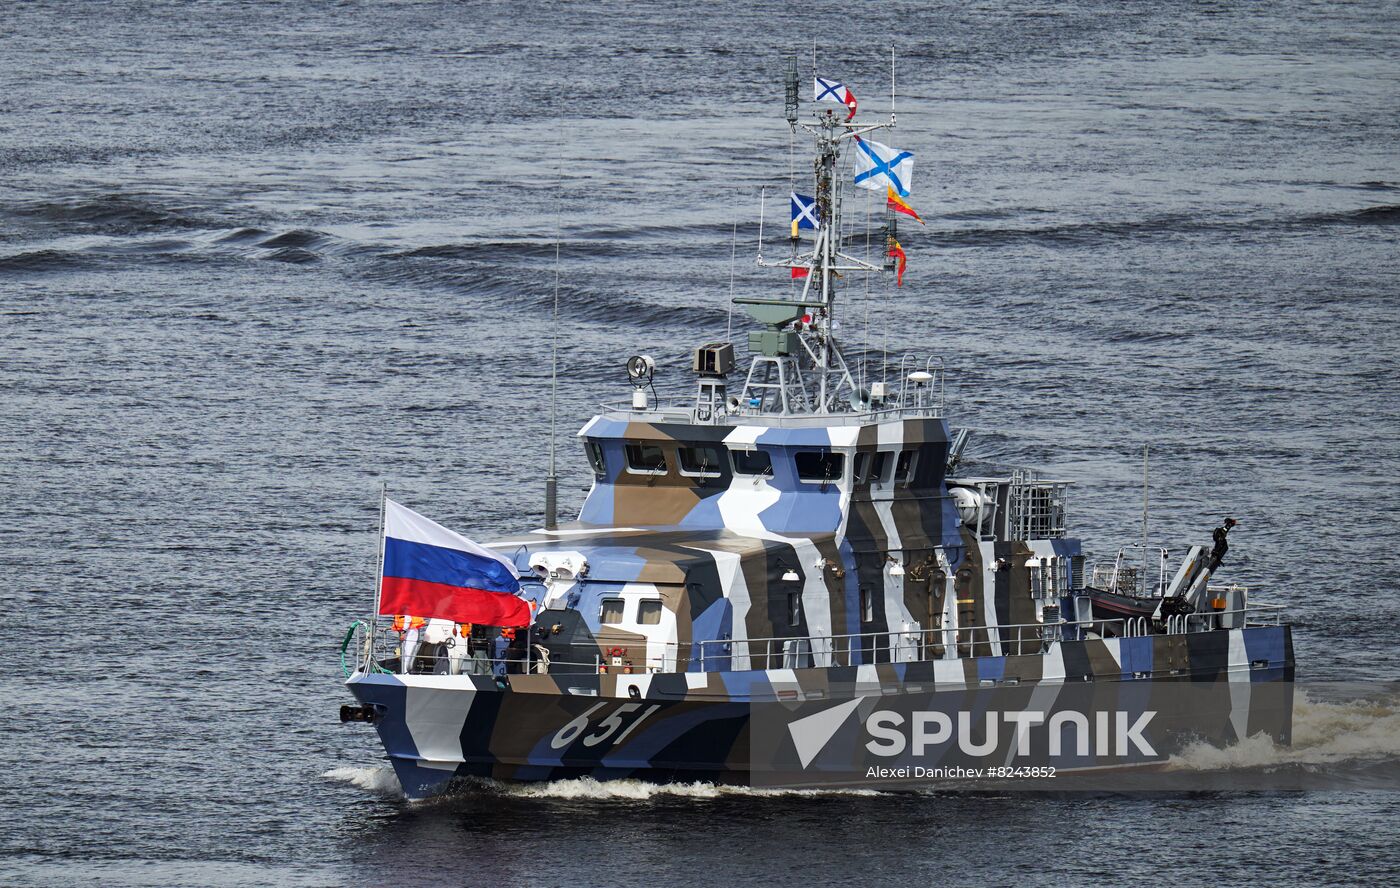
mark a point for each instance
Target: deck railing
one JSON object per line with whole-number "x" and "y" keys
{"x": 379, "y": 652}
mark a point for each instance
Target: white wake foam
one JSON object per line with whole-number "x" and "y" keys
{"x": 641, "y": 790}
{"x": 376, "y": 780}
{"x": 383, "y": 782}
{"x": 1324, "y": 733}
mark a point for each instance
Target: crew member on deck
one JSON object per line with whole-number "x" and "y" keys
{"x": 461, "y": 651}
{"x": 500, "y": 652}
{"x": 412, "y": 633}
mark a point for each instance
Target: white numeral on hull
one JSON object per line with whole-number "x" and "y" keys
{"x": 606, "y": 728}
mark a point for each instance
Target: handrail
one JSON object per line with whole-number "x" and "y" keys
{"x": 898, "y": 645}
{"x": 344, "y": 646}
{"x": 853, "y": 417}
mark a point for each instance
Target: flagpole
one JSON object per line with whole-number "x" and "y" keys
{"x": 379, "y": 559}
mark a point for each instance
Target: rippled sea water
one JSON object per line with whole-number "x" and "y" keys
{"x": 256, "y": 258}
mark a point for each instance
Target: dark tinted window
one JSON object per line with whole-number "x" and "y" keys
{"x": 813, "y": 465}
{"x": 595, "y": 457}
{"x": 611, "y": 611}
{"x": 752, "y": 462}
{"x": 862, "y": 462}
{"x": 904, "y": 467}
{"x": 867, "y": 606}
{"x": 649, "y": 613}
{"x": 645, "y": 458}
{"x": 879, "y": 462}
{"x": 794, "y": 608}
{"x": 700, "y": 460}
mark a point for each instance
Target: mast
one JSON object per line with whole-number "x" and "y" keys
{"x": 819, "y": 353}
{"x": 830, "y": 233}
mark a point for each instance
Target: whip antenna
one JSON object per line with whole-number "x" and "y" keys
{"x": 551, "y": 481}
{"x": 733, "y": 252}
{"x": 1144, "y": 513}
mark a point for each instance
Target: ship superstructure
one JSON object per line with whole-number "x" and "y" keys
{"x": 797, "y": 534}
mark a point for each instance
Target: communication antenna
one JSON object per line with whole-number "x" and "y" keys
{"x": 1144, "y": 516}
{"x": 790, "y": 112}
{"x": 1144, "y": 499}
{"x": 891, "y": 83}
{"x": 762, "y": 198}
{"x": 733, "y": 253}
{"x": 551, "y": 481}
{"x": 790, "y": 83}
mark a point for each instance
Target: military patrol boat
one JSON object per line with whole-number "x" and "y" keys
{"x": 787, "y": 580}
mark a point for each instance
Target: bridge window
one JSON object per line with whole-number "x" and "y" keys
{"x": 794, "y": 608}
{"x": 858, "y": 473}
{"x": 879, "y": 462}
{"x": 820, "y": 467}
{"x": 904, "y": 466}
{"x": 646, "y": 459}
{"x": 700, "y": 461}
{"x": 610, "y": 614}
{"x": 752, "y": 462}
{"x": 595, "y": 458}
{"x": 867, "y": 606}
{"x": 649, "y": 613}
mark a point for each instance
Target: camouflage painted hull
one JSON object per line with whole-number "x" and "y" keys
{"x": 748, "y": 727}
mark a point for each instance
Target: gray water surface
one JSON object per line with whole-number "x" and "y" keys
{"x": 256, "y": 258}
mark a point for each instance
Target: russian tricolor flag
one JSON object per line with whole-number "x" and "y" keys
{"x": 430, "y": 571}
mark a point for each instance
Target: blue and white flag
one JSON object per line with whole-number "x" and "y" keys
{"x": 879, "y": 167}
{"x": 804, "y": 212}
{"x": 832, "y": 91}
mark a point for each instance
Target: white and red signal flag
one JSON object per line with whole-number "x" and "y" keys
{"x": 430, "y": 571}
{"x": 831, "y": 91}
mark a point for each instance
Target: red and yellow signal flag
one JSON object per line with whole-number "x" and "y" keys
{"x": 898, "y": 253}
{"x": 897, "y": 204}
